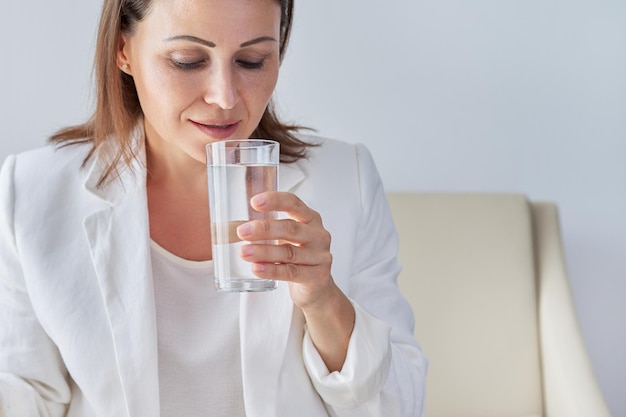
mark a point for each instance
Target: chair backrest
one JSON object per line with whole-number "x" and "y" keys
{"x": 469, "y": 273}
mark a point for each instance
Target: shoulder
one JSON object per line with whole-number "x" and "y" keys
{"x": 330, "y": 157}
{"x": 41, "y": 168}
{"x": 51, "y": 156}
{"x": 324, "y": 144}
{"x": 331, "y": 152}
{"x": 336, "y": 170}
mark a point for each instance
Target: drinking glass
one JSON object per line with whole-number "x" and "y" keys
{"x": 237, "y": 170}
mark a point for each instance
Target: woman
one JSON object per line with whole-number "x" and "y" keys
{"x": 105, "y": 294}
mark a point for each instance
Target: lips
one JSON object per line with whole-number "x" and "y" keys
{"x": 221, "y": 129}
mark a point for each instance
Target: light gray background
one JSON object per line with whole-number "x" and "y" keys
{"x": 449, "y": 95}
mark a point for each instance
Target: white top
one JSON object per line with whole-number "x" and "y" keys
{"x": 198, "y": 340}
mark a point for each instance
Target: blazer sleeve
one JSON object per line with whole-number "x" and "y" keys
{"x": 33, "y": 379}
{"x": 385, "y": 370}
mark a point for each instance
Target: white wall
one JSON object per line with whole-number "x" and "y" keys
{"x": 483, "y": 95}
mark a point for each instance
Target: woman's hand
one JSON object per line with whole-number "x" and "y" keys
{"x": 303, "y": 259}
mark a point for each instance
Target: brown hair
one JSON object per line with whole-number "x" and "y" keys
{"x": 117, "y": 104}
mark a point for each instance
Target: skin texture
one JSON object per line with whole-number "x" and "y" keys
{"x": 205, "y": 70}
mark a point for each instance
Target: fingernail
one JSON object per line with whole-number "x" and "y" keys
{"x": 258, "y": 267}
{"x": 244, "y": 229}
{"x": 259, "y": 200}
{"x": 247, "y": 250}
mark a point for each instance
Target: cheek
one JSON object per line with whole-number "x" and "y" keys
{"x": 258, "y": 90}
{"x": 165, "y": 90}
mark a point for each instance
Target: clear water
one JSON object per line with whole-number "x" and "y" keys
{"x": 230, "y": 190}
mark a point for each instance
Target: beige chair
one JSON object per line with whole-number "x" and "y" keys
{"x": 494, "y": 314}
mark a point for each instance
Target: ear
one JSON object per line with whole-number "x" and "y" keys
{"x": 123, "y": 61}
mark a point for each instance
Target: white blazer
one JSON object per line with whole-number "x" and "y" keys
{"x": 77, "y": 310}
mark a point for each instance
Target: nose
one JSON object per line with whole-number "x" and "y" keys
{"x": 221, "y": 87}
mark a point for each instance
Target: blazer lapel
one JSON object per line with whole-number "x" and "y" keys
{"x": 289, "y": 176}
{"x": 265, "y": 324}
{"x": 118, "y": 237}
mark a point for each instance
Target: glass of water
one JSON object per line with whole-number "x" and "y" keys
{"x": 238, "y": 170}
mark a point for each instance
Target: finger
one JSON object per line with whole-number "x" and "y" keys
{"x": 285, "y": 202}
{"x": 287, "y": 230}
{"x": 285, "y": 254}
{"x": 312, "y": 275}
{"x": 280, "y": 272}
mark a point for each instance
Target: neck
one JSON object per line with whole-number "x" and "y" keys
{"x": 169, "y": 166}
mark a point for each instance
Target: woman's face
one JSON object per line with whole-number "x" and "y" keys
{"x": 204, "y": 70}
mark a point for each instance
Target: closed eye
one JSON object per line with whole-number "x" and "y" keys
{"x": 250, "y": 64}
{"x": 188, "y": 65}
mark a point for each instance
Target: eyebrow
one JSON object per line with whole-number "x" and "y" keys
{"x": 192, "y": 39}
{"x": 258, "y": 40}
{"x": 213, "y": 45}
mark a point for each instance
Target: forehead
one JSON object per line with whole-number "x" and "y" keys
{"x": 204, "y": 17}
